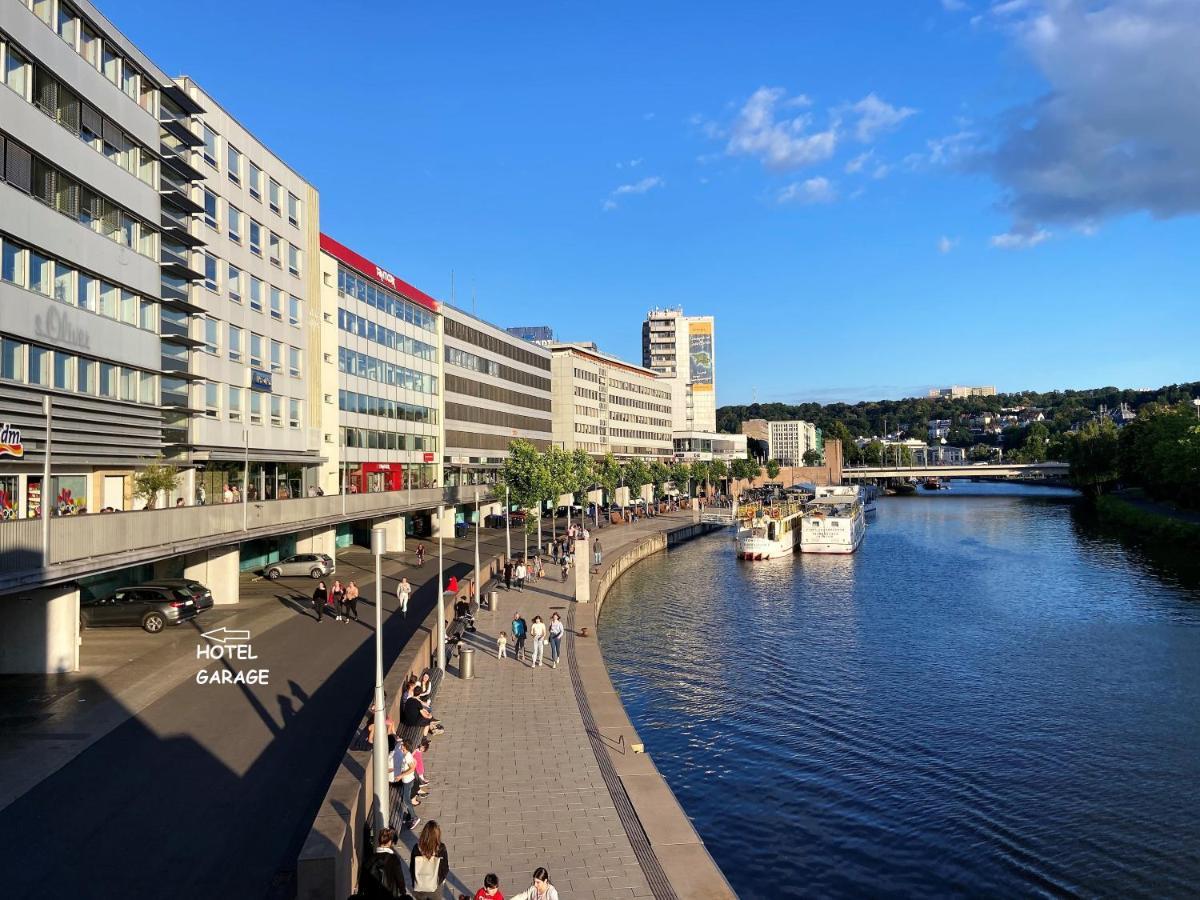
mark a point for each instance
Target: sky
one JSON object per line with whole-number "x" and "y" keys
{"x": 872, "y": 198}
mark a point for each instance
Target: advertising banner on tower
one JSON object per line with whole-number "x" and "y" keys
{"x": 700, "y": 356}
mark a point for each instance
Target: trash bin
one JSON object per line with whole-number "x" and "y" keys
{"x": 493, "y": 599}
{"x": 466, "y": 662}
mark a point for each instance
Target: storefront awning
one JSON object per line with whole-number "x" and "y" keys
{"x": 230, "y": 454}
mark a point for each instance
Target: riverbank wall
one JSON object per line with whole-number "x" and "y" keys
{"x": 1146, "y": 524}
{"x": 674, "y": 853}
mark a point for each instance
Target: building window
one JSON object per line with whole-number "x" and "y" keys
{"x": 86, "y": 289}
{"x": 294, "y": 361}
{"x": 210, "y": 145}
{"x": 108, "y": 380}
{"x": 293, "y": 259}
{"x": 148, "y": 315}
{"x": 235, "y": 343}
{"x": 39, "y": 273}
{"x": 255, "y": 179}
{"x": 235, "y": 223}
{"x": 235, "y": 283}
{"x": 68, "y": 24}
{"x": 235, "y": 403}
{"x": 16, "y": 72}
{"x": 293, "y": 311}
{"x": 12, "y": 263}
{"x": 210, "y": 208}
{"x": 110, "y": 64}
{"x": 129, "y": 384}
{"x": 233, "y": 163}
{"x": 86, "y": 377}
{"x": 212, "y": 400}
{"x": 273, "y": 248}
{"x": 64, "y": 283}
{"x": 12, "y": 360}
{"x": 293, "y": 209}
{"x": 276, "y": 410}
{"x": 293, "y": 413}
{"x": 276, "y": 356}
{"x": 256, "y": 350}
{"x": 39, "y": 366}
{"x": 255, "y": 408}
{"x": 210, "y": 272}
{"x": 273, "y": 191}
{"x": 89, "y": 45}
{"x": 255, "y": 238}
{"x": 276, "y": 303}
{"x": 129, "y": 81}
{"x": 148, "y": 389}
{"x": 212, "y": 336}
{"x": 256, "y": 294}
{"x": 64, "y": 371}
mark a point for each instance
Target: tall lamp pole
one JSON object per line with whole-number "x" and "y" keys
{"x": 246, "y": 477}
{"x": 441, "y": 593}
{"x": 379, "y": 746}
{"x": 507, "y": 534}
{"x": 478, "y": 574}
{"x": 48, "y": 409}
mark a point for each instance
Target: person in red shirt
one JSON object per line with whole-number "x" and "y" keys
{"x": 489, "y": 891}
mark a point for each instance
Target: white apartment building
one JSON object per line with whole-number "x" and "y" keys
{"x": 252, "y": 389}
{"x": 603, "y": 404}
{"x": 788, "y": 441}
{"x": 681, "y": 348}
{"x": 960, "y": 392}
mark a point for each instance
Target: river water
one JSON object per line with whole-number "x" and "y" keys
{"x": 990, "y": 698}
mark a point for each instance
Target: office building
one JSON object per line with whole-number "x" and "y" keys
{"x": 681, "y": 348}
{"x": 705, "y": 446}
{"x": 252, "y": 392}
{"x": 389, "y": 397}
{"x": 789, "y": 441}
{"x": 538, "y": 334}
{"x": 959, "y": 392}
{"x": 82, "y": 318}
{"x": 603, "y": 404}
{"x": 497, "y": 389}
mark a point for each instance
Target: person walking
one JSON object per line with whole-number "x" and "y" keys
{"x": 556, "y": 635}
{"x": 598, "y": 554}
{"x": 521, "y": 573}
{"x": 541, "y": 889}
{"x": 420, "y": 554}
{"x": 319, "y": 598}
{"x": 384, "y": 876}
{"x": 508, "y": 574}
{"x": 352, "y": 601}
{"x": 518, "y": 633}
{"x": 337, "y": 597}
{"x": 405, "y": 769}
{"x": 501, "y": 645}
{"x": 429, "y": 865}
{"x": 403, "y": 592}
{"x": 566, "y": 567}
{"x": 538, "y": 632}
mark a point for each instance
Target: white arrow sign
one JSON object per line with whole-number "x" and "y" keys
{"x": 222, "y": 635}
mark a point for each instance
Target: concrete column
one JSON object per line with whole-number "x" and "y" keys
{"x": 319, "y": 540}
{"x": 583, "y": 568}
{"x": 218, "y": 571}
{"x": 394, "y": 530}
{"x": 41, "y": 631}
{"x": 446, "y": 523}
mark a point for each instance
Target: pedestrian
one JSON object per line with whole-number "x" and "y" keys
{"x": 415, "y": 717}
{"x": 566, "y": 568}
{"x": 420, "y": 554}
{"x": 501, "y": 645}
{"x": 403, "y": 592}
{"x": 538, "y": 632}
{"x": 556, "y": 635}
{"x": 226, "y": 494}
{"x": 430, "y": 864}
{"x": 405, "y": 769}
{"x": 384, "y": 876}
{"x": 337, "y": 596}
{"x": 597, "y": 554}
{"x": 521, "y": 573}
{"x": 237, "y": 494}
{"x": 452, "y": 587}
{"x": 541, "y": 889}
{"x": 319, "y": 598}
{"x": 490, "y": 889}
{"x": 352, "y": 601}
{"x": 508, "y": 574}
{"x": 422, "y": 784}
{"x": 518, "y": 633}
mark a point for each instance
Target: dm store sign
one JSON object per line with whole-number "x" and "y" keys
{"x": 10, "y": 441}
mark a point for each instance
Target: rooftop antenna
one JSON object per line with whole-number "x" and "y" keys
{"x": 753, "y": 395}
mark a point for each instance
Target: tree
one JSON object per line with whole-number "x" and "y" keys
{"x": 812, "y": 457}
{"x": 837, "y": 430}
{"x": 527, "y": 477}
{"x": 560, "y": 480}
{"x": 1092, "y": 453}
{"x": 156, "y": 478}
{"x": 582, "y": 476}
{"x": 872, "y": 453}
{"x": 744, "y": 470}
{"x": 681, "y": 476}
{"x": 659, "y": 476}
{"x": 772, "y": 469}
{"x": 637, "y": 474}
{"x": 959, "y": 437}
{"x": 608, "y": 475}
{"x": 717, "y": 470}
{"x": 1037, "y": 443}
{"x": 700, "y": 473}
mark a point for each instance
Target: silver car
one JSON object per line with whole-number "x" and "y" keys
{"x": 314, "y": 565}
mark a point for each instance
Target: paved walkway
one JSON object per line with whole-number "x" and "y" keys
{"x": 515, "y": 782}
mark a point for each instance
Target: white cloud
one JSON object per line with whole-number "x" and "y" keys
{"x": 876, "y": 117}
{"x": 946, "y": 244}
{"x": 1018, "y": 239}
{"x": 781, "y": 144}
{"x": 646, "y": 117}
{"x": 812, "y": 190}
{"x": 633, "y": 189}
{"x": 608, "y": 205}
{"x": 631, "y": 164}
{"x": 857, "y": 164}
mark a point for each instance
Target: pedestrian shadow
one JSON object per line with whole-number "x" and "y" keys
{"x": 301, "y": 605}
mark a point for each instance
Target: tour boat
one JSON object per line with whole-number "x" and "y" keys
{"x": 833, "y": 522}
{"x": 768, "y": 532}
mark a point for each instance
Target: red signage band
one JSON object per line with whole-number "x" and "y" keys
{"x": 378, "y": 274}
{"x": 428, "y": 457}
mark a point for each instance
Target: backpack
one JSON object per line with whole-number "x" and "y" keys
{"x": 425, "y": 872}
{"x": 379, "y": 881}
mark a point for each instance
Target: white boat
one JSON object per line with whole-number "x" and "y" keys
{"x": 866, "y": 494}
{"x": 768, "y": 532}
{"x": 833, "y": 521}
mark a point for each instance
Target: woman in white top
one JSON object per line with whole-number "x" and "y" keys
{"x": 403, "y": 592}
{"x": 541, "y": 889}
{"x": 537, "y": 631}
{"x": 556, "y": 634}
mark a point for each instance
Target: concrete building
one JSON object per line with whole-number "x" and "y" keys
{"x": 538, "y": 334}
{"x": 788, "y": 441}
{"x": 693, "y": 446}
{"x": 257, "y": 330}
{"x": 603, "y": 404}
{"x": 939, "y": 428}
{"x": 938, "y": 455}
{"x": 681, "y": 348}
{"x": 959, "y": 392}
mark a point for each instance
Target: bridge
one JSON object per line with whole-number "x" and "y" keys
{"x": 978, "y": 470}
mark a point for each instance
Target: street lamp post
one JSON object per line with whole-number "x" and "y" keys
{"x": 379, "y": 748}
{"x": 441, "y": 592}
{"x": 507, "y": 534}
{"x": 48, "y": 410}
{"x": 478, "y": 574}
{"x": 246, "y": 478}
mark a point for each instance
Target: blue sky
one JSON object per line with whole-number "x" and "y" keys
{"x": 871, "y": 198}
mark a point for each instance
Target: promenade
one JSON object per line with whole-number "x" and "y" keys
{"x": 516, "y": 780}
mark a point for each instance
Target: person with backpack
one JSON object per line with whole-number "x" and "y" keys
{"x": 429, "y": 865}
{"x": 519, "y": 635}
{"x": 384, "y": 875}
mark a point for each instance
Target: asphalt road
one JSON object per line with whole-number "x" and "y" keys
{"x": 210, "y": 791}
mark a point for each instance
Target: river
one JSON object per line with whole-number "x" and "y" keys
{"x": 990, "y": 698}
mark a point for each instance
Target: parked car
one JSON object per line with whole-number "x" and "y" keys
{"x": 494, "y": 520}
{"x": 314, "y": 565}
{"x": 517, "y": 517}
{"x": 198, "y": 592}
{"x": 153, "y": 606}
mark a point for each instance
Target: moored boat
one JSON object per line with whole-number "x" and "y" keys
{"x": 833, "y": 523}
{"x": 768, "y": 532}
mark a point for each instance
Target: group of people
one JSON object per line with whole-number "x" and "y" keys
{"x": 537, "y": 634}
{"x": 342, "y": 598}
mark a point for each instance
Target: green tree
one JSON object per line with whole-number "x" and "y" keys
{"x": 872, "y": 453}
{"x": 812, "y": 457}
{"x": 637, "y": 474}
{"x": 701, "y": 474}
{"x": 158, "y": 477}
{"x": 1092, "y": 453}
{"x": 659, "y": 476}
{"x": 772, "y": 469}
{"x": 608, "y": 475}
{"x": 718, "y": 471}
{"x": 744, "y": 470}
{"x": 1036, "y": 446}
{"x": 527, "y": 477}
{"x": 681, "y": 477}
{"x": 560, "y": 467}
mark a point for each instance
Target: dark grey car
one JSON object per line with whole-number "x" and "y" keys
{"x": 198, "y": 592}
{"x": 152, "y": 606}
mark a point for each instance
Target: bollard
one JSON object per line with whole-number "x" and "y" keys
{"x": 493, "y": 599}
{"x": 466, "y": 662}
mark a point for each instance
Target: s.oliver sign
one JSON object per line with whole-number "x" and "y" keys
{"x": 428, "y": 457}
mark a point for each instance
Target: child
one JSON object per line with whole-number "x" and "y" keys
{"x": 490, "y": 889}
{"x": 422, "y": 783}
{"x": 501, "y": 643}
